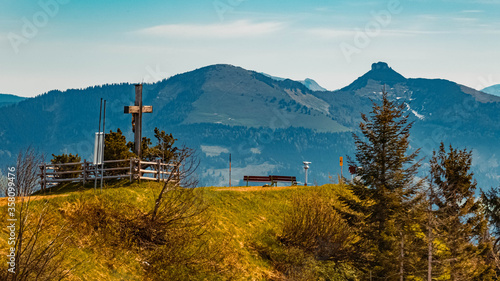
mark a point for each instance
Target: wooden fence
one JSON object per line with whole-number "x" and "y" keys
{"x": 133, "y": 169}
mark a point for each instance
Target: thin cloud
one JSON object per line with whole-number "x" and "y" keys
{"x": 237, "y": 29}
{"x": 329, "y": 33}
{"x": 471, "y": 11}
{"x": 465, "y": 19}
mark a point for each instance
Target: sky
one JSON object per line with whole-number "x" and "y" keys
{"x": 64, "y": 44}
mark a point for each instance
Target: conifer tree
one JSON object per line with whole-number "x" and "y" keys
{"x": 491, "y": 202}
{"x": 386, "y": 188}
{"x": 461, "y": 225}
{"x": 64, "y": 159}
{"x": 164, "y": 148}
{"x": 115, "y": 148}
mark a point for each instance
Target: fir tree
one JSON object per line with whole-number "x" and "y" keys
{"x": 386, "y": 187}
{"x": 115, "y": 146}
{"x": 461, "y": 226}
{"x": 65, "y": 159}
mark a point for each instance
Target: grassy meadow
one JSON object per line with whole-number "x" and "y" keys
{"x": 234, "y": 233}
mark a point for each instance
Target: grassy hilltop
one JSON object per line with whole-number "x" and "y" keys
{"x": 227, "y": 234}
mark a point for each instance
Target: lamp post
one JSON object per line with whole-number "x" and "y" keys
{"x": 306, "y": 166}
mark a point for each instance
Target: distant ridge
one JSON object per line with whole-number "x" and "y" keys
{"x": 492, "y": 90}
{"x": 308, "y": 82}
{"x": 7, "y": 99}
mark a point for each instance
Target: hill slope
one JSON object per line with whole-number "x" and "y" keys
{"x": 241, "y": 234}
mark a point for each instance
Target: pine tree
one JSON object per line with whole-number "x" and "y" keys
{"x": 164, "y": 148}
{"x": 491, "y": 202}
{"x": 386, "y": 187}
{"x": 65, "y": 159}
{"x": 461, "y": 225}
{"x": 115, "y": 148}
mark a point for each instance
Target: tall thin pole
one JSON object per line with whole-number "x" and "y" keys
{"x": 103, "y": 142}
{"x": 100, "y": 111}
{"x": 229, "y": 169}
{"x": 429, "y": 236}
{"x": 98, "y": 147}
{"x": 306, "y": 177}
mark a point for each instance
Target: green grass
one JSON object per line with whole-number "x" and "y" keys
{"x": 244, "y": 227}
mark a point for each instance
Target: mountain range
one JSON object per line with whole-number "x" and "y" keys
{"x": 268, "y": 125}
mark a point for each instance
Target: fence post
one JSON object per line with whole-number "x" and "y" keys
{"x": 84, "y": 171}
{"x": 41, "y": 178}
{"x": 139, "y": 169}
{"x": 44, "y": 176}
{"x": 158, "y": 170}
{"x": 95, "y": 176}
{"x": 131, "y": 169}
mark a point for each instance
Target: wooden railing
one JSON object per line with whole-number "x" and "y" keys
{"x": 133, "y": 169}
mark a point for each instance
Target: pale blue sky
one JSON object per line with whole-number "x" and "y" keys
{"x": 75, "y": 43}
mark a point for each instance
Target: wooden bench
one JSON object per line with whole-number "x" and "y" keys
{"x": 272, "y": 179}
{"x": 257, "y": 179}
{"x": 276, "y": 179}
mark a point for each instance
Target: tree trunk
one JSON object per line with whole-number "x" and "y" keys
{"x": 429, "y": 250}
{"x": 429, "y": 239}
{"x": 402, "y": 257}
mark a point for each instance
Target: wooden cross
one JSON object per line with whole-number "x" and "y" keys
{"x": 137, "y": 110}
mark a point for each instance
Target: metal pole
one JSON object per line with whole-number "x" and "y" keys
{"x": 103, "y": 142}
{"x": 98, "y": 147}
{"x": 100, "y": 111}
{"x": 305, "y": 184}
{"x": 229, "y": 169}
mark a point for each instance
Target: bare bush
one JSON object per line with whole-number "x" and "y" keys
{"x": 314, "y": 226}
{"x": 182, "y": 175}
{"x": 38, "y": 253}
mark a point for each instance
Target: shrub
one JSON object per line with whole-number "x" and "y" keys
{"x": 315, "y": 227}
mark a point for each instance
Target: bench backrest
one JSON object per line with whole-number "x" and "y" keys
{"x": 283, "y": 178}
{"x": 256, "y": 178}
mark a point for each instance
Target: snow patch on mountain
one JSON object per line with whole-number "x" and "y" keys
{"x": 419, "y": 116}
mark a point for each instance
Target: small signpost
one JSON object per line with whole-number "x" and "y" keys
{"x": 137, "y": 110}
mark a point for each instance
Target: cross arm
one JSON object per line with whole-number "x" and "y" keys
{"x": 135, "y": 109}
